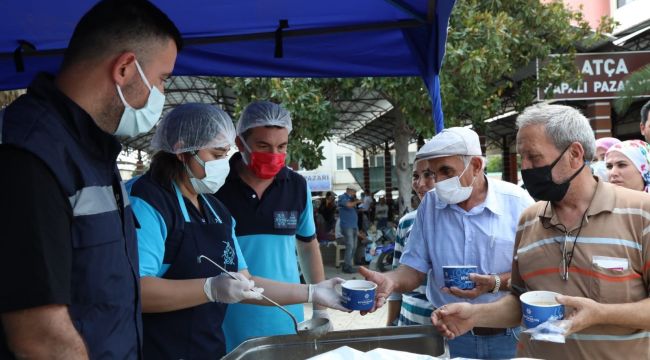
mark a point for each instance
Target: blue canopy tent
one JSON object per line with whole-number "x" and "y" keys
{"x": 252, "y": 38}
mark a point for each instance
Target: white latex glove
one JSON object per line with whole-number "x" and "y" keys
{"x": 325, "y": 294}
{"x": 222, "y": 288}
{"x": 322, "y": 314}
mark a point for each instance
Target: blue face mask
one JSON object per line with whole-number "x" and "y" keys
{"x": 599, "y": 169}
{"x": 139, "y": 121}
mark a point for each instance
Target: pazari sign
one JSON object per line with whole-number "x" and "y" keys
{"x": 603, "y": 75}
{"x": 317, "y": 181}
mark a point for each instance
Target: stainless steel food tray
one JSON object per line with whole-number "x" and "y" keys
{"x": 415, "y": 339}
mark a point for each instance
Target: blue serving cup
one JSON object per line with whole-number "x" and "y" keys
{"x": 540, "y": 306}
{"x": 458, "y": 276}
{"x": 358, "y": 294}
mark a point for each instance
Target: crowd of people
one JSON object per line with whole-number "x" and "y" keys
{"x": 555, "y": 244}
{"x": 350, "y": 221}
{"x": 172, "y": 264}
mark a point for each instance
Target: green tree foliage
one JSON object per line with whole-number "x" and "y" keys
{"x": 494, "y": 163}
{"x": 492, "y": 47}
{"x": 312, "y": 112}
{"x": 636, "y": 84}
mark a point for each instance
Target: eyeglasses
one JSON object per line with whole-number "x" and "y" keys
{"x": 567, "y": 255}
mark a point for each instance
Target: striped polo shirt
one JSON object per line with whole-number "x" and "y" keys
{"x": 610, "y": 265}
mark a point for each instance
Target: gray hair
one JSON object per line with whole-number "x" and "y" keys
{"x": 644, "y": 112}
{"x": 563, "y": 125}
{"x": 468, "y": 158}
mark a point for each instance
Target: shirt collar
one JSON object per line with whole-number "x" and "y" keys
{"x": 491, "y": 201}
{"x": 75, "y": 119}
{"x": 603, "y": 201}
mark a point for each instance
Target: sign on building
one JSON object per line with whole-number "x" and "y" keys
{"x": 603, "y": 75}
{"x": 317, "y": 181}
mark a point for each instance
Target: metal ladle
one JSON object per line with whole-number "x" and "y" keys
{"x": 312, "y": 327}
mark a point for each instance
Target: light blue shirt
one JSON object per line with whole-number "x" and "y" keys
{"x": 347, "y": 215}
{"x": 448, "y": 235}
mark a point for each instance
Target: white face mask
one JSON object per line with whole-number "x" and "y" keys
{"x": 450, "y": 191}
{"x": 599, "y": 169}
{"x": 216, "y": 172}
{"x": 139, "y": 121}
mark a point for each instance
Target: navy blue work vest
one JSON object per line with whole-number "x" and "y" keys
{"x": 105, "y": 300}
{"x": 192, "y": 333}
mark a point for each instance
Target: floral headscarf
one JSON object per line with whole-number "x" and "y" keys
{"x": 606, "y": 142}
{"x": 639, "y": 154}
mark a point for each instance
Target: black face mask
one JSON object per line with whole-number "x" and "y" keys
{"x": 540, "y": 185}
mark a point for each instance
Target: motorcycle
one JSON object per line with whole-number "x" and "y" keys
{"x": 380, "y": 249}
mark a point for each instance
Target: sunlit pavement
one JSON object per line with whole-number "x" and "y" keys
{"x": 350, "y": 321}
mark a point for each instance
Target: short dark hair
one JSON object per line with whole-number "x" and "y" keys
{"x": 165, "y": 168}
{"x": 114, "y": 26}
{"x": 644, "y": 112}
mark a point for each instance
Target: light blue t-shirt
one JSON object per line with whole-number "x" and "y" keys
{"x": 347, "y": 215}
{"x": 448, "y": 235}
{"x": 269, "y": 246}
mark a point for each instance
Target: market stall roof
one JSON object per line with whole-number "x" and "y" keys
{"x": 250, "y": 38}
{"x": 374, "y": 134}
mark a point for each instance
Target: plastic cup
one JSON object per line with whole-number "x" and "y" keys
{"x": 458, "y": 276}
{"x": 540, "y": 306}
{"x": 358, "y": 294}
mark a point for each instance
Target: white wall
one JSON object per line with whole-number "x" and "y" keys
{"x": 343, "y": 178}
{"x": 630, "y": 14}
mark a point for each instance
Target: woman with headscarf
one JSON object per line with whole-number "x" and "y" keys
{"x": 184, "y": 301}
{"x": 598, "y": 163}
{"x": 628, "y": 164}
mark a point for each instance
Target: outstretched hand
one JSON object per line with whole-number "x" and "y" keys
{"x": 325, "y": 294}
{"x": 453, "y": 320}
{"x": 385, "y": 287}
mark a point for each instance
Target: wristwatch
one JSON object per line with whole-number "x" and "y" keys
{"x": 497, "y": 284}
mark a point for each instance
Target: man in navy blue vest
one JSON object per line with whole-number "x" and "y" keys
{"x": 68, "y": 252}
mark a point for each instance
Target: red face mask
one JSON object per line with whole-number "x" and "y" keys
{"x": 266, "y": 165}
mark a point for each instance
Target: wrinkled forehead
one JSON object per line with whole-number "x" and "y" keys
{"x": 533, "y": 138}
{"x": 454, "y": 161}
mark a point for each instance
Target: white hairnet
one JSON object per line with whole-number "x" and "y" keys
{"x": 192, "y": 127}
{"x": 263, "y": 113}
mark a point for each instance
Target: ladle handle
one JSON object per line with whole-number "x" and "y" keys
{"x": 295, "y": 322}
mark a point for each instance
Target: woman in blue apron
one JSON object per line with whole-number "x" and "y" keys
{"x": 183, "y": 301}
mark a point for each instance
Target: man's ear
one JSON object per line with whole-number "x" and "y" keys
{"x": 122, "y": 68}
{"x": 577, "y": 153}
{"x": 477, "y": 165}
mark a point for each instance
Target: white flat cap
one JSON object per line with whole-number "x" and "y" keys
{"x": 450, "y": 142}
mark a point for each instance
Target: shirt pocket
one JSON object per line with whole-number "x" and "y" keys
{"x": 612, "y": 286}
{"x": 94, "y": 230}
{"x": 500, "y": 252}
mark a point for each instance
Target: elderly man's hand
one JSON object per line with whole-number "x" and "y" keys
{"x": 385, "y": 287}
{"x": 453, "y": 320}
{"x": 484, "y": 284}
{"x": 586, "y": 312}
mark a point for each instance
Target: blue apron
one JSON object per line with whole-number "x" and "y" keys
{"x": 193, "y": 333}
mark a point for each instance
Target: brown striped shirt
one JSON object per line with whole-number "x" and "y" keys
{"x": 616, "y": 228}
